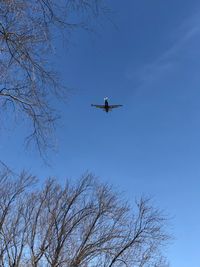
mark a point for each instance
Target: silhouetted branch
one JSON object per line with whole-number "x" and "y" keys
{"x": 80, "y": 224}
{"x": 27, "y": 80}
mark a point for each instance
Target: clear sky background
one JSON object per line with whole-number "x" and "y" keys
{"x": 150, "y": 63}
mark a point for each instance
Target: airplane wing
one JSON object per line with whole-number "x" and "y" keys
{"x": 98, "y": 106}
{"x": 115, "y": 106}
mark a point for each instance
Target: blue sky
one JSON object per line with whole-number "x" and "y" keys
{"x": 150, "y": 63}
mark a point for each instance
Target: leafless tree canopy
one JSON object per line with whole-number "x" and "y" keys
{"x": 26, "y": 78}
{"x": 82, "y": 224}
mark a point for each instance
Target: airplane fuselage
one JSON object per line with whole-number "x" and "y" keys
{"x": 106, "y": 106}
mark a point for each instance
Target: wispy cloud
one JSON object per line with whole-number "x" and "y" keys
{"x": 184, "y": 39}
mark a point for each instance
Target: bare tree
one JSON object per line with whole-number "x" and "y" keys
{"x": 12, "y": 225}
{"x": 27, "y": 29}
{"x": 82, "y": 224}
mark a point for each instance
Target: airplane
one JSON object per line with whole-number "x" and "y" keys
{"x": 106, "y": 107}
